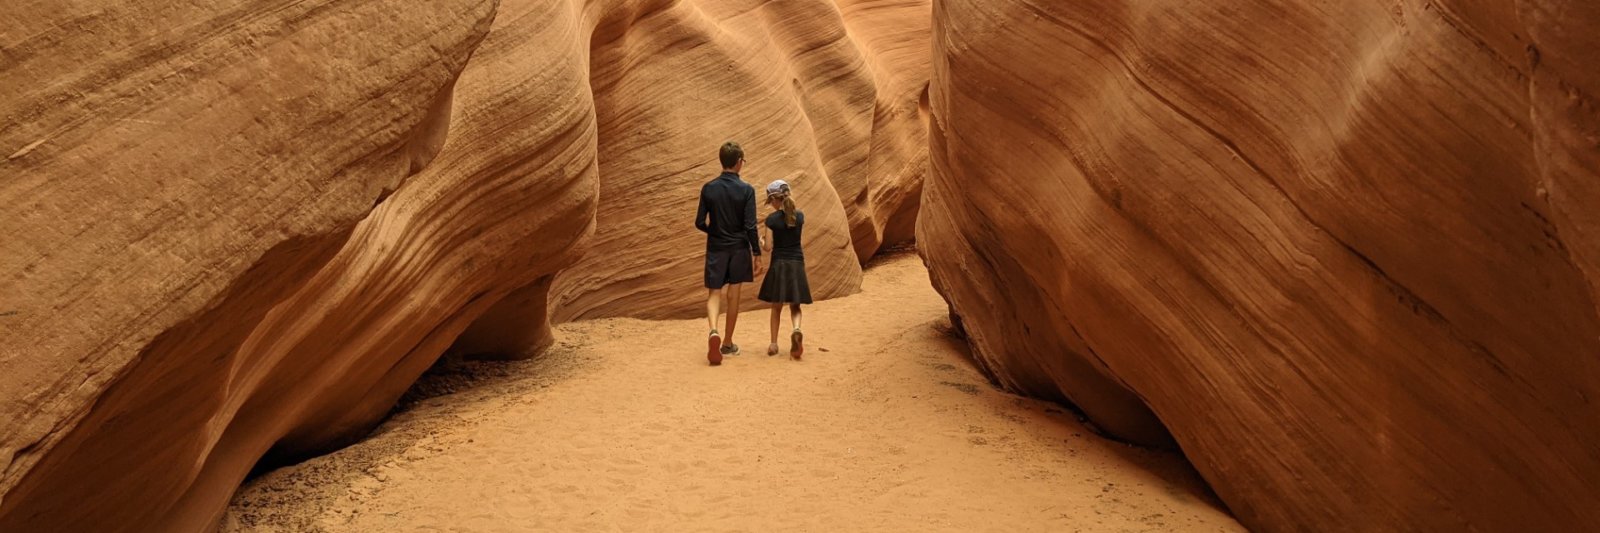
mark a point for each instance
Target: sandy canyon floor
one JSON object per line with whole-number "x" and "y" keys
{"x": 622, "y": 426}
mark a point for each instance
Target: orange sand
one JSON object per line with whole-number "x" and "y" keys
{"x": 623, "y": 426}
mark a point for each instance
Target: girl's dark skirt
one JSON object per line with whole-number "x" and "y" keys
{"x": 786, "y": 283}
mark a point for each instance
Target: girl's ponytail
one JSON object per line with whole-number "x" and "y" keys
{"x": 788, "y": 208}
{"x": 779, "y": 190}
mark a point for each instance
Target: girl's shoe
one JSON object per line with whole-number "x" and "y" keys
{"x": 797, "y": 344}
{"x": 772, "y": 349}
{"x": 730, "y": 349}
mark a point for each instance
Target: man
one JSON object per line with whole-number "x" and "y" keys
{"x": 733, "y": 248}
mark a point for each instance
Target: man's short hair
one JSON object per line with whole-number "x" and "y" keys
{"x": 731, "y": 154}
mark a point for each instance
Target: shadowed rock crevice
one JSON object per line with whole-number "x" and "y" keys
{"x": 187, "y": 379}
{"x": 515, "y": 328}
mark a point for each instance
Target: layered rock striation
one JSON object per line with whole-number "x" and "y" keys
{"x": 242, "y": 230}
{"x": 822, "y": 95}
{"x": 1343, "y": 254}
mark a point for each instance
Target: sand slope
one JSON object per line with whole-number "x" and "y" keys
{"x": 619, "y": 429}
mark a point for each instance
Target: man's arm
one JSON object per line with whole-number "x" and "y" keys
{"x": 750, "y": 224}
{"x": 700, "y": 216}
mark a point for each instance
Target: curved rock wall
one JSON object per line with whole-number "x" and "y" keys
{"x": 827, "y": 104}
{"x": 170, "y": 198}
{"x": 245, "y": 233}
{"x": 1344, "y": 251}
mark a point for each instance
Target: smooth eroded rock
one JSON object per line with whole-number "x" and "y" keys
{"x": 815, "y": 97}
{"x": 247, "y": 235}
{"x": 1344, "y": 252}
{"x": 243, "y": 230}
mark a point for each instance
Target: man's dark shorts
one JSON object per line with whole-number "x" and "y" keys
{"x": 728, "y": 266}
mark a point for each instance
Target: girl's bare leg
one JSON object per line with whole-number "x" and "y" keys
{"x": 777, "y": 316}
{"x": 796, "y": 339}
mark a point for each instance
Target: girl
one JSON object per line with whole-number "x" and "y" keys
{"x": 786, "y": 278}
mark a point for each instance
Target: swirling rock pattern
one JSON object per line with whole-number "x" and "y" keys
{"x": 1344, "y": 251}
{"x": 827, "y": 104}
{"x": 245, "y": 233}
{"x": 179, "y": 182}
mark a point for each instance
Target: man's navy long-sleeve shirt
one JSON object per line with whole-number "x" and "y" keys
{"x": 731, "y": 206}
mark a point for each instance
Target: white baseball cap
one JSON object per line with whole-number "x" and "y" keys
{"x": 777, "y": 187}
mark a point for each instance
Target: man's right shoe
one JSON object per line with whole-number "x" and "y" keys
{"x": 714, "y": 349}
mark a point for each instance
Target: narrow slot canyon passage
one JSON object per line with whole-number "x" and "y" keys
{"x": 1346, "y": 254}
{"x": 622, "y": 426}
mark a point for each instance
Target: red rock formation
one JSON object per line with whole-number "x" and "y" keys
{"x": 243, "y": 230}
{"x": 1345, "y": 252}
{"x": 167, "y": 200}
{"x": 894, "y": 37}
{"x": 828, "y": 104}
{"x": 278, "y": 311}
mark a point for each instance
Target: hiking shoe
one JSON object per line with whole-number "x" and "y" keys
{"x": 797, "y": 344}
{"x": 730, "y": 349}
{"x": 714, "y": 351}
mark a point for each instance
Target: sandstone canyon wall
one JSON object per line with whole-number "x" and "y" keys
{"x": 822, "y": 95}
{"x": 1346, "y": 252}
{"x": 241, "y": 230}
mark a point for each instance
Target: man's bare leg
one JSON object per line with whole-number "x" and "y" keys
{"x": 713, "y": 307}
{"x": 732, "y": 293}
{"x": 714, "y": 343}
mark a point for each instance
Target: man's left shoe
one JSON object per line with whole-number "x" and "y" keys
{"x": 730, "y": 349}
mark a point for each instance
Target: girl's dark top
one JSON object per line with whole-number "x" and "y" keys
{"x": 786, "y": 240}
